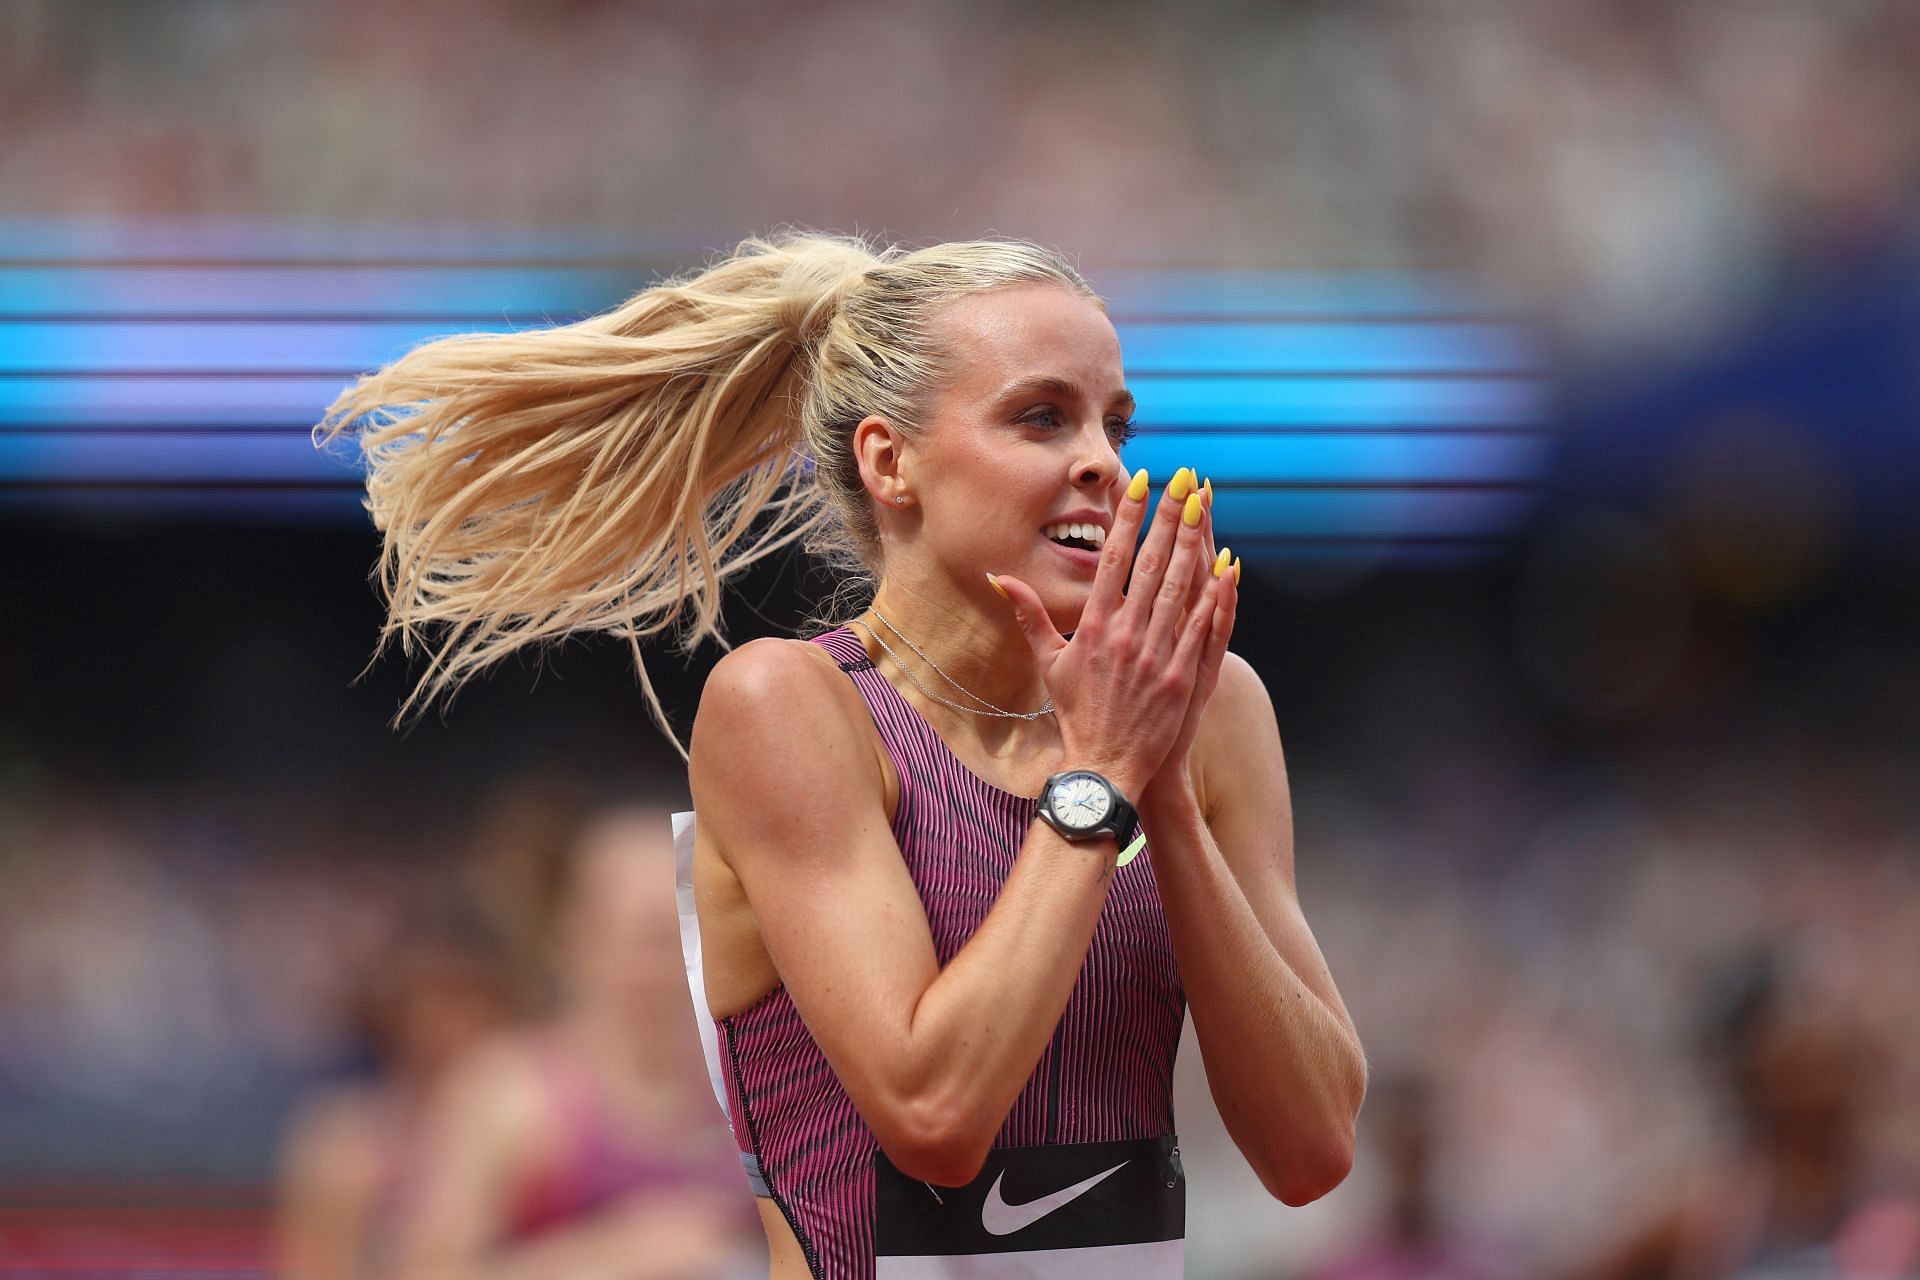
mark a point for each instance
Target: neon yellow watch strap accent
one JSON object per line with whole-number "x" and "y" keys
{"x": 1132, "y": 851}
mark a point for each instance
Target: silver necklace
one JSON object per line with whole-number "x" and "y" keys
{"x": 996, "y": 712}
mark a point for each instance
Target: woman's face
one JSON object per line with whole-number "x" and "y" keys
{"x": 620, "y": 931}
{"x": 1023, "y": 436}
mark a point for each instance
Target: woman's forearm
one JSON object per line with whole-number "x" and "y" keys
{"x": 981, "y": 1027}
{"x": 1284, "y": 1065}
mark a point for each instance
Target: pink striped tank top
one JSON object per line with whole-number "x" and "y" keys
{"x": 597, "y": 1166}
{"x": 1095, "y": 1119}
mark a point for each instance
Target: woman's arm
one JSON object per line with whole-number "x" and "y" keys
{"x": 329, "y": 1173}
{"x": 1283, "y": 1061}
{"x": 786, "y": 783}
{"x": 485, "y": 1138}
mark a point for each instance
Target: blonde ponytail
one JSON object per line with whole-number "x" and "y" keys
{"x": 612, "y": 474}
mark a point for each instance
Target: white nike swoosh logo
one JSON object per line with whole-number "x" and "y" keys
{"x": 1003, "y": 1219}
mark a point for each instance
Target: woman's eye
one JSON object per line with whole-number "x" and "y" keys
{"x": 1120, "y": 431}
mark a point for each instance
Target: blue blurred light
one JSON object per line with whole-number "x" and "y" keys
{"x": 1291, "y": 294}
{"x": 528, "y": 295}
{"x": 200, "y": 346}
{"x": 246, "y": 344}
{"x": 1336, "y": 412}
{"x": 174, "y": 458}
{"x": 1200, "y": 401}
{"x": 167, "y": 402}
{"x": 1317, "y": 347}
{"x": 1341, "y": 457}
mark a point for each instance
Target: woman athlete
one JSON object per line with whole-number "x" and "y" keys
{"x": 947, "y": 983}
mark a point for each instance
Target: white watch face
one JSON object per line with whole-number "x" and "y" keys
{"x": 1081, "y": 802}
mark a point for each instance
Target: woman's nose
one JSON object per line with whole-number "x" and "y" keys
{"x": 1098, "y": 465}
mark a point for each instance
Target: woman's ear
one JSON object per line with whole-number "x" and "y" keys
{"x": 880, "y": 449}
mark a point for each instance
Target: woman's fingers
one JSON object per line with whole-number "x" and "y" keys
{"x": 1211, "y": 626}
{"x": 1116, "y": 554}
{"x": 1150, "y": 565}
{"x": 1226, "y": 608}
{"x": 1177, "y": 586}
{"x": 1129, "y": 680}
{"x": 1204, "y": 564}
{"x": 1196, "y": 628}
{"x": 1207, "y": 565}
{"x": 1032, "y": 617}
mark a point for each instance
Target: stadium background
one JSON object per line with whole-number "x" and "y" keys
{"x": 1558, "y": 366}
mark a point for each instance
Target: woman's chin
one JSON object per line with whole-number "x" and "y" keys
{"x": 1064, "y": 608}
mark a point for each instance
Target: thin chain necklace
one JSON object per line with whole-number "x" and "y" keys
{"x": 996, "y": 712}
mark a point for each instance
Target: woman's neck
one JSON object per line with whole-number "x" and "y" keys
{"x": 961, "y": 651}
{"x": 616, "y": 1041}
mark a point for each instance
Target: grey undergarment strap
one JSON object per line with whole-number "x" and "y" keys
{"x": 755, "y": 1179}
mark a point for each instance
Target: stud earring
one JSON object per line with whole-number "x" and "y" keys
{"x": 899, "y": 497}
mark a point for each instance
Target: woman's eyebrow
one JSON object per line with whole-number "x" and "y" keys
{"x": 1047, "y": 384}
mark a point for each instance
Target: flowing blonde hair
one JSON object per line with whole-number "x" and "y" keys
{"x": 612, "y": 474}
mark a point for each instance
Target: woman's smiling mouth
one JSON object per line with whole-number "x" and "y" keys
{"x": 1077, "y": 534}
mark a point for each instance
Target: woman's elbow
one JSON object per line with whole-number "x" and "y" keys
{"x": 938, "y": 1165}
{"x": 1314, "y": 1162}
{"x": 937, "y": 1144}
{"x": 1309, "y": 1170}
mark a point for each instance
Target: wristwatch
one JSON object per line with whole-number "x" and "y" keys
{"x": 1082, "y": 805}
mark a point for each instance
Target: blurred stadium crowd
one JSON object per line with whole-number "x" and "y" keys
{"x": 1637, "y": 170}
{"x": 1620, "y": 878}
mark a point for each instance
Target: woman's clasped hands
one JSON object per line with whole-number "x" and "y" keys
{"x": 1130, "y": 687}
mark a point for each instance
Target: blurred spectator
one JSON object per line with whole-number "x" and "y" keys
{"x": 1792, "y": 1193}
{"x": 350, "y": 1162}
{"x": 590, "y": 1144}
{"x": 1411, "y": 1240}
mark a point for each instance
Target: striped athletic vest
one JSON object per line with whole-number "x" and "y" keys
{"x": 1084, "y": 1178}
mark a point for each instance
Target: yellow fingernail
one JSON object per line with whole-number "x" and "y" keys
{"x": 995, "y": 584}
{"x": 1220, "y": 561}
{"x": 1191, "y": 516}
{"x": 1236, "y": 571}
{"x": 1207, "y": 488}
{"x": 1138, "y": 489}
{"x": 1181, "y": 485}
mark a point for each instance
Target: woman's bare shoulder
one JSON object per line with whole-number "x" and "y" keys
{"x": 1240, "y": 713}
{"x": 773, "y": 658}
{"x": 1239, "y": 736}
{"x": 785, "y": 707}
{"x": 770, "y": 681}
